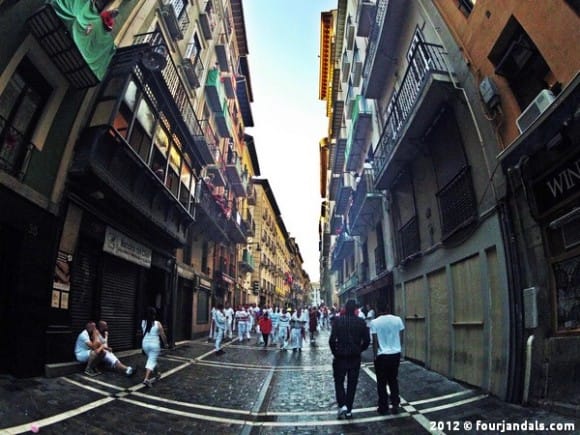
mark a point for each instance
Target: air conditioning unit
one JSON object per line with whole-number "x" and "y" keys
{"x": 535, "y": 109}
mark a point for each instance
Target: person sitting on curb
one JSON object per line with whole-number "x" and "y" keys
{"x": 89, "y": 350}
{"x": 110, "y": 358}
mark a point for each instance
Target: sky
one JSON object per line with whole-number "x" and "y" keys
{"x": 289, "y": 119}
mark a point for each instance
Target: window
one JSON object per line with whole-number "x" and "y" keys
{"x": 21, "y": 105}
{"x": 456, "y": 197}
{"x": 405, "y": 220}
{"x": 567, "y": 279}
{"x": 466, "y": 6}
{"x": 517, "y": 58}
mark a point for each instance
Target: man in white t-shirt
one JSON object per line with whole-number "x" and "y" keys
{"x": 386, "y": 332}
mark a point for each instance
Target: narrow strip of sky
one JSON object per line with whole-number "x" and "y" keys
{"x": 284, "y": 45}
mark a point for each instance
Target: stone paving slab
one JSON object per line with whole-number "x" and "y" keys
{"x": 247, "y": 390}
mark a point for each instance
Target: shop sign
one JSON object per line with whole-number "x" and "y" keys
{"x": 558, "y": 185}
{"x": 126, "y": 248}
{"x": 204, "y": 283}
{"x": 185, "y": 272}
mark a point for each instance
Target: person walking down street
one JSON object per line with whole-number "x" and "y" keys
{"x": 275, "y": 316}
{"x": 242, "y": 319}
{"x": 348, "y": 339}
{"x": 386, "y": 331}
{"x": 229, "y": 313}
{"x": 89, "y": 350}
{"x": 313, "y": 325}
{"x": 110, "y": 358}
{"x": 211, "y": 325}
{"x": 152, "y": 333}
{"x": 297, "y": 329}
{"x": 284, "y": 329}
{"x": 265, "y": 324}
{"x": 220, "y": 328}
{"x": 370, "y": 316}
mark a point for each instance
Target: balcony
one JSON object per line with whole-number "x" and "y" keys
{"x": 389, "y": 21}
{"x": 193, "y": 68}
{"x": 210, "y": 213}
{"x": 337, "y": 155}
{"x": 207, "y": 21}
{"x": 163, "y": 84}
{"x": 380, "y": 262}
{"x": 175, "y": 18}
{"x": 366, "y": 12}
{"x": 105, "y": 162}
{"x": 408, "y": 238}
{"x": 366, "y": 207}
{"x": 336, "y": 224}
{"x": 244, "y": 94}
{"x": 221, "y": 52}
{"x": 229, "y": 83}
{"x": 247, "y": 263}
{"x": 357, "y": 142}
{"x": 214, "y": 90}
{"x": 237, "y": 175}
{"x": 252, "y": 195}
{"x": 457, "y": 204}
{"x": 343, "y": 248}
{"x": 234, "y": 228}
{"x": 425, "y": 87}
{"x": 349, "y": 284}
{"x": 344, "y": 193}
{"x": 82, "y": 58}
{"x": 15, "y": 150}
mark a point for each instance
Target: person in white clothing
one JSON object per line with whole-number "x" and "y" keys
{"x": 110, "y": 358}
{"x": 220, "y": 327}
{"x": 211, "y": 325}
{"x": 229, "y": 313}
{"x": 298, "y": 329}
{"x": 88, "y": 349}
{"x": 283, "y": 333}
{"x": 386, "y": 332}
{"x": 152, "y": 333}
{"x": 242, "y": 319}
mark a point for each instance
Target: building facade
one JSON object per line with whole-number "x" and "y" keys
{"x": 125, "y": 170}
{"x": 470, "y": 173}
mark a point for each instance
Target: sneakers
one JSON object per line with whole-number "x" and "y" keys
{"x": 92, "y": 373}
{"x": 342, "y": 412}
{"x": 148, "y": 383}
{"x": 348, "y": 415}
{"x": 129, "y": 371}
{"x": 220, "y": 352}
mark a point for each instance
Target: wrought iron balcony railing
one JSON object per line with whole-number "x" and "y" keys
{"x": 457, "y": 203}
{"x": 366, "y": 205}
{"x": 426, "y": 60}
{"x": 409, "y": 241}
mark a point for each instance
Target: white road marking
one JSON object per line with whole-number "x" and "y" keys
{"x": 58, "y": 417}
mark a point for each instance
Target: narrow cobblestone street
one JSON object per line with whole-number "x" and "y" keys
{"x": 250, "y": 390}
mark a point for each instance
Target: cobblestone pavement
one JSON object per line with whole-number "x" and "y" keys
{"x": 253, "y": 390}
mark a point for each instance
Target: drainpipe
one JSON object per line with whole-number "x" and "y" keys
{"x": 528, "y": 369}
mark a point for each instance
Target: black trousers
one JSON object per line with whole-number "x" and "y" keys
{"x": 387, "y": 371}
{"x": 348, "y": 367}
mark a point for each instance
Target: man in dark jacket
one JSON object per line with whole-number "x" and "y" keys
{"x": 348, "y": 339}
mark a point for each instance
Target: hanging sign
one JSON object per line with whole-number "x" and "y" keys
{"x": 121, "y": 246}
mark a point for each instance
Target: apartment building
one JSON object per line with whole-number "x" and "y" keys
{"x": 124, "y": 167}
{"x": 527, "y": 70}
{"x": 471, "y": 154}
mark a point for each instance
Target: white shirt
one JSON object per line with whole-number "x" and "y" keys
{"x": 387, "y": 328}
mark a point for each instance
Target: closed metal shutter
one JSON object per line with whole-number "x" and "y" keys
{"x": 118, "y": 301}
{"x": 83, "y": 284}
{"x": 184, "y": 310}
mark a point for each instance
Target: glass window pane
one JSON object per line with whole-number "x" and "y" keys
{"x": 131, "y": 95}
{"x": 146, "y": 117}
